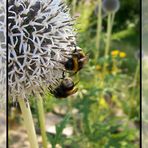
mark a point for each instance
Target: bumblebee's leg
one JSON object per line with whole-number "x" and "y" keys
{"x": 73, "y": 91}
{"x": 73, "y": 74}
{"x": 63, "y": 74}
{"x": 87, "y": 53}
{"x": 74, "y": 44}
{"x": 76, "y": 49}
{"x": 76, "y": 83}
{"x": 68, "y": 56}
{"x": 57, "y": 81}
{"x": 74, "y": 53}
{"x": 50, "y": 88}
{"x": 52, "y": 92}
{"x": 83, "y": 59}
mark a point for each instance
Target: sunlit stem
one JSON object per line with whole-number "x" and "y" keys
{"x": 132, "y": 99}
{"x": 110, "y": 22}
{"x": 74, "y": 6}
{"x": 109, "y": 28}
{"x": 99, "y": 25}
{"x": 42, "y": 119}
{"x": 28, "y": 122}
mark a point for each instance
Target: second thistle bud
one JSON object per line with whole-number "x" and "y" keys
{"x": 111, "y": 6}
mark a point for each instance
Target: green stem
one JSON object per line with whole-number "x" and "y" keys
{"x": 28, "y": 122}
{"x": 109, "y": 28}
{"x": 110, "y": 22}
{"x": 99, "y": 25}
{"x": 133, "y": 90}
{"x": 74, "y": 6}
{"x": 41, "y": 119}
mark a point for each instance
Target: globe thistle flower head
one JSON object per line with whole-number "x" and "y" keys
{"x": 111, "y": 6}
{"x": 103, "y": 12}
{"x": 40, "y": 33}
{"x": 2, "y": 53}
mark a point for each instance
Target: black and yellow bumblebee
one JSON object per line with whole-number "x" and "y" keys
{"x": 65, "y": 88}
{"x": 75, "y": 61}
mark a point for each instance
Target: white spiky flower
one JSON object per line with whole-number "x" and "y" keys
{"x": 2, "y": 53}
{"x": 38, "y": 32}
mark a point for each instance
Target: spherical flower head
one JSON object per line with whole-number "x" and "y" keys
{"x": 103, "y": 12}
{"x": 111, "y": 6}
{"x": 2, "y": 54}
{"x": 40, "y": 33}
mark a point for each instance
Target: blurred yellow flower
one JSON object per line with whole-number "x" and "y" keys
{"x": 103, "y": 103}
{"x": 115, "y": 52}
{"x": 98, "y": 67}
{"x": 122, "y": 54}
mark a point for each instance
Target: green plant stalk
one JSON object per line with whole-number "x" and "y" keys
{"x": 109, "y": 29}
{"x": 133, "y": 90}
{"x": 28, "y": 122}
{"x": 110, "y": 22}
{"x": 99, "y": 25}
{"x": 74, "y": 7}
{"x": 41, "y": 119}
{"x": 136, "y": 73}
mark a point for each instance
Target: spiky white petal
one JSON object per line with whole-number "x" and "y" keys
{"x": 38, "y": 32}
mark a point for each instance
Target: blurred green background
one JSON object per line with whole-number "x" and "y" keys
{"x": 144, "y": 73}
{"x": 105, "y": 112}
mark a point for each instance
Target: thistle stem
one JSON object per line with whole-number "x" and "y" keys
{"x": 41, "y": 119}
{"x": 110, "y": 22}
{"x": 28, "y": 122}
{"x": 74, "y": 6}
{"x": 109, "y": 28}
{"x": 99, "y": 25}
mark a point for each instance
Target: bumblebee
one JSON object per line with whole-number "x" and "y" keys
{"x": 65, "y": 89}
{"x": 76, "y": 62}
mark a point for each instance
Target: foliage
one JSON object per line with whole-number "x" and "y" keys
{"x": 108, "y": 101}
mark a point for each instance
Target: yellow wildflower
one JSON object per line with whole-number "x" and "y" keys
{"x": 103, "y": 103}
{"x": 98, "y": 67}
{"x": 115, "y": 52}
{"x": 122, "y": 54}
